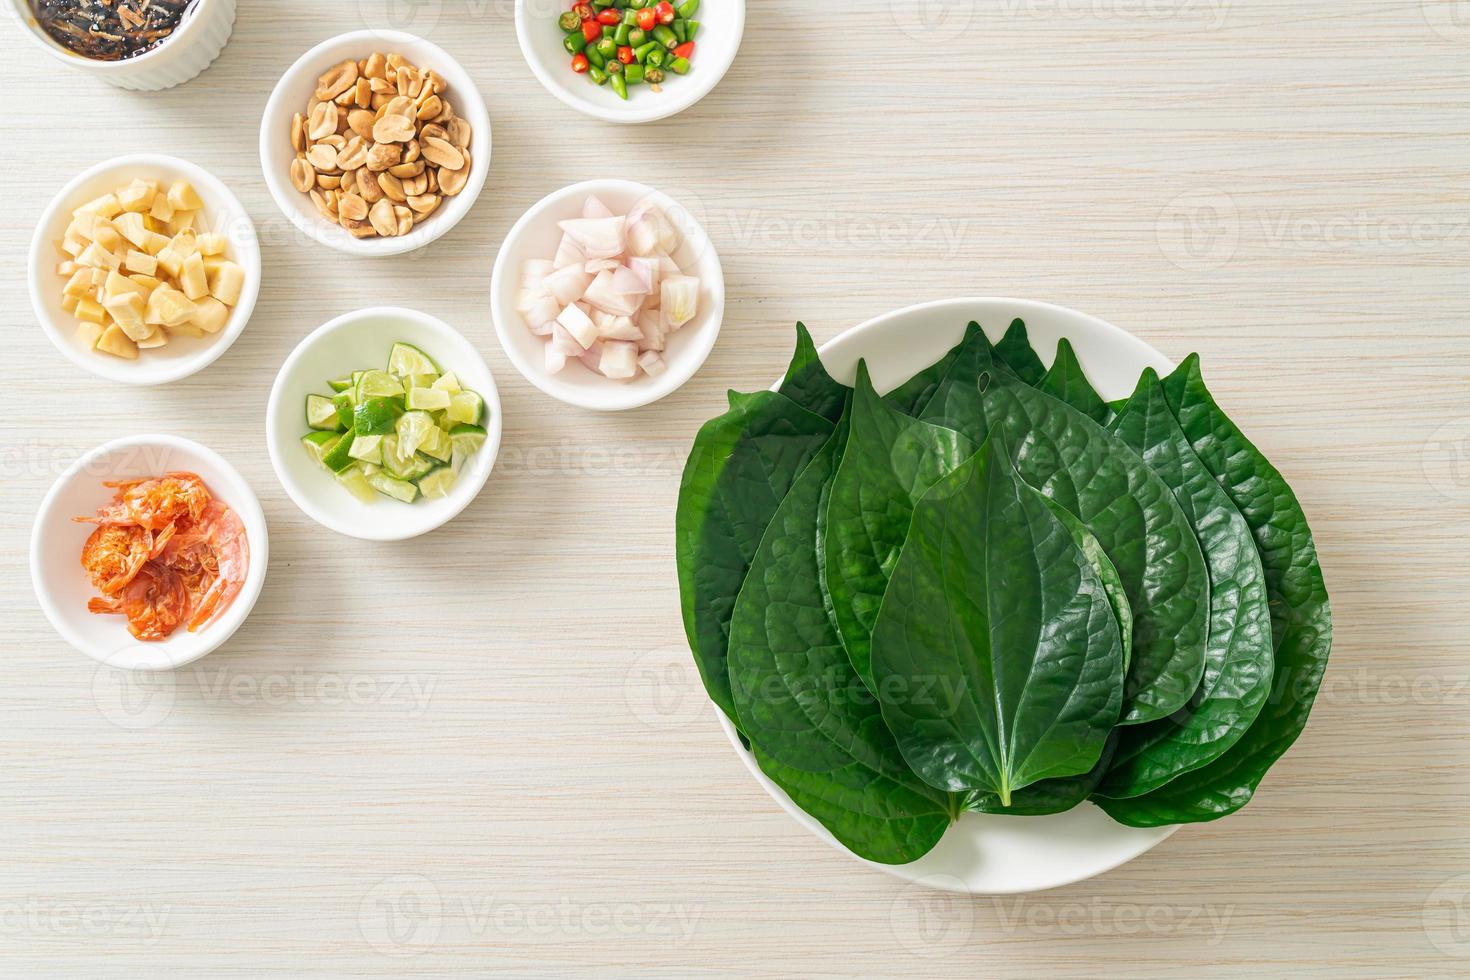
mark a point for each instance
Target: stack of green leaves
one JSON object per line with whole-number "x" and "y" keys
{"x": 991, "y": 590}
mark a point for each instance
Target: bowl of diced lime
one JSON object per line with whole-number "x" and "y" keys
{"x": 383, "y": 424}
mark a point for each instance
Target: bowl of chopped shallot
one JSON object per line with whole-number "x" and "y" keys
{"x": 607, "y": 295}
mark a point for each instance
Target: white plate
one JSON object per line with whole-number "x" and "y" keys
{"x": 62, "y": 587}
{"x": 987, "y": 854}
{"x": 356, "y": 342}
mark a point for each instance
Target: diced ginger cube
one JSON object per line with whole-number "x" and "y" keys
{"x": 146, "y": 284}
{"x": 132, "y": 227}
{"x": 168, "y": 307}
{"x": 171, "y": 259}
{"x": 211, "y": 244}
{"x": 183, "y": 198}
{"x": 154, "y": 243}
{"x": 127, "y": 310}
{"x": 88, "y": 334}
{"x": 157, "y": 338}
{"x": 161, "y": 211}
{"x": 192, "y": 280}
{"x": 108, "y": 237}
{"x": 66, "y": 268}
{"x": 137, "y": 196}
{"x": 155, "y": 225}
{"x": 227, "y": 283}
{"x": 69, "y": 303}
{"x": 118, "y": 283}
{"x": 95, "y": 256}
{"x": 114, "y": 341}
{"x": 72, "y": 246}
{"x": 90, "y": 310}
{"x": 106, "y": 206}
{"x": 140, "y": 262}
{"x": 189, "y": 329}
{"x": 211, "y": 315}
{"x": 80, "y": 283}
{"x": 181, "y": 221}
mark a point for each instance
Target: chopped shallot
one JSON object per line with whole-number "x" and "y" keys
{"x": 568, "y": 253}
{"x": 680, "y": 300}
{"x": 613, "y": 293}
{"x": 619, "y": 359}
{"x": 599, "y": 238}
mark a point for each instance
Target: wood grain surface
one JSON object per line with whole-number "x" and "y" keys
{"x": 485, "y": 752}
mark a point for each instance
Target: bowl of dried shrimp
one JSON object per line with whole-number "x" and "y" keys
{"x": 148, "y": 552}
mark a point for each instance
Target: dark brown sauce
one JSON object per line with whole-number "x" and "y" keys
{"x": 110, "y": 30}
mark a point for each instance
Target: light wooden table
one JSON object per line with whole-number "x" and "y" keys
{"x": 485, "y": 751}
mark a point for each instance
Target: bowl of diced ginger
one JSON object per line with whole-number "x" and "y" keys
{"x": 144, "y": 269}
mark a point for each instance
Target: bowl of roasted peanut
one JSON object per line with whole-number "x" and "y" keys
{"x": 375, "y": 143}
{"x": 144, "y": 269}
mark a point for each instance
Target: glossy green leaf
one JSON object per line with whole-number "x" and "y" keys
{"x": 997, "y": 655}
{"x": 740, "y": 468}
{"x": 809, "y": 385}
{"x": 796, "y": 694}
{"x": 1301, "y": 616}
{"x": 876, "y": 818}
{"x": 1238, "y": 650}
{"x": 1087, "y": 470}
{"x": 1016, "y": 352}
{"x": 890, "y": 461}
{"x": 1092, "y": 550}
{"x": 1067, "y": 382}
{"x": 1049, "y": 795}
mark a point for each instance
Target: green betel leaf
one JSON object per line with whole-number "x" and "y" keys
{"x": 1092, "y": 549}
{"x": 1049, "y": 795}
{"x": 741, "y": 466}
{"x": 876, "y": 818}
{"x": 809, "y": 385}
{"x": 997, "y": 656}
{"x": 1088, "y": 471}
{"x": 1067, "y": 382}
{"x": 890, "y": 461}
{"x": 1238, "y": 650}
{"x": 1016, "y": 352}
{"x": 800, "y": 703}
{"x": 1301, "y": 617}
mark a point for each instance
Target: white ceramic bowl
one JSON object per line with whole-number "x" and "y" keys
{"x": 722, "y": 23}
{"x": 200, "y": 37}
{"x": 535, "y": 236}
{"x": 993, "y": 854}
{"x": 294, "y": 92}
{"x": 62, "y": 587}
{"x": 361, "y": 341}
{"x": 182, "y": 356}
